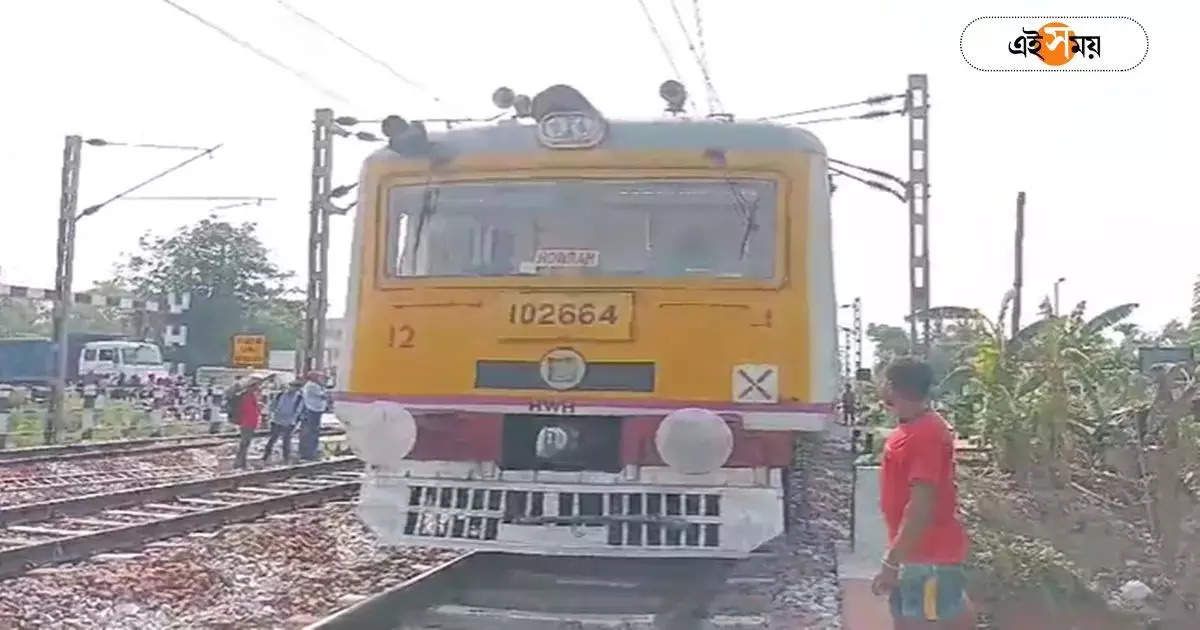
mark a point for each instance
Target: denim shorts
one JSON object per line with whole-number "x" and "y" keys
{"x": 931, "y": 592}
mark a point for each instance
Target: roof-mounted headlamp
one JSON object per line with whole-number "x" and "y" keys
{"x": 566, "y": 120}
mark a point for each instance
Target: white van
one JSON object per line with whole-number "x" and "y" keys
{"x": 127, "y": 358}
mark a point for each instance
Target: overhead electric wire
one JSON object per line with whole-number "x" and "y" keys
{"x": 713, "y": 98}
{"x": 366, "y": 55}
{"x": 873, "y": 171}
{"x": 866, "y": 116}
{"x": 239, "y": 204}
{"x": 875, "y": 185}
{"x": 93, "y": 209}
{"x": 870, "y": 100}
{"x": 247, "y": 198}
{"x": 300, "y": 74}
{"x": 666, "y": 50}
{"x": 101, "y": 142}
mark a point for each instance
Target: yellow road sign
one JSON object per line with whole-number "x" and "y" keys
{"x": 249, "y": 351}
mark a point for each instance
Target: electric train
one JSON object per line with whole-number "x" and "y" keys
{"x": 573, "y": 335}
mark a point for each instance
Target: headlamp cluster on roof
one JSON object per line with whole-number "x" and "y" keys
{"x": 505, "y": 98}
{"x": 404, "y": 137}
{"x": 565, "y": 119}
{"x": 674, "y": 94}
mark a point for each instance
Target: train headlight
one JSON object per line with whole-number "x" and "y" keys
{"x": 504, "y": 97}
{"x": 571, "y": 130}
{"x": 693, "y": 440}
{"x": 381, "y": 433}
{"x": 563, "y": 368}
{"x": 674, "y": 94}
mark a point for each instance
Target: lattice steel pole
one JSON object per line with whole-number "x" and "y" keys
{"x": 318, "y": 242}
{"x": 64, "y": 271}
{"x": 847, "y": 344}
{"x": 917, "y": 108}
{"x": 858, "y": 334}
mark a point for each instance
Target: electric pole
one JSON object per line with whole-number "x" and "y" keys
{"x": 68, "y": 217}
{"x": 1018, "y": 264}
{"x": 317, "y": 302}
{"x": 847, "y": 346}
{"x": 853, "y": 337}
{"x": 64, "y": 270}
{"x": 917, "y": 108}
{"x": 858, "y": 334}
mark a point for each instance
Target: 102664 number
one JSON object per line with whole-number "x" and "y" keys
{"x": 562, "y": 314}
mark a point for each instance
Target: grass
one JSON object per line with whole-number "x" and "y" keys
{"x": 117, "y": 421}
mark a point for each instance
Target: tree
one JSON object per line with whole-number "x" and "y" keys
{"x": 280, "y": 320}
{"x": 1039, "y": 395}
{"x": 212, "y": 257}
{"x": 889, "y": 342}
{"x": 212, "y": 322}
{"x": 1174, "y": 333}
{"x": 233, "y": 284}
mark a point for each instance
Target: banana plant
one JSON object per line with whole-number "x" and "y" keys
{"x": 1038, "y": 395}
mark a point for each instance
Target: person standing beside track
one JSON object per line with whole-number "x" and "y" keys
{"x": 247, "y": 415}
{"x": 284, "y": 414}
{"x": 922, "y": 571}
{"x": 849, "y": 408}
{"x": 315, "y": 400}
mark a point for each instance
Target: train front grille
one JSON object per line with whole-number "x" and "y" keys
{"x": 632, "y": 519}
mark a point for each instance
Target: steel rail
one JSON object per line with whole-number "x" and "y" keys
{"x": 77, "y": 506}
{"x": 121, "y": 448}
{"x": 242, "y": 497}
{"x": 408, "y": 597}
{"x": 497, "y": 591}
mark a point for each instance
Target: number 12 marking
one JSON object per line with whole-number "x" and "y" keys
{"x": 401, "y": 337}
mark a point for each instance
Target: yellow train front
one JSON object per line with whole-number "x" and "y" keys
{"x": 570, "y": 335}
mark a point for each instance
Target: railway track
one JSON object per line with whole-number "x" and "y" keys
{"x": 122, "y": 448}
{"x": 38, "y": 534}
{"x": 58, "y": 481}
{"x": 491, "y": 591}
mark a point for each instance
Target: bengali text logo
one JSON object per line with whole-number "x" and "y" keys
{"x": 1054, "y": 44}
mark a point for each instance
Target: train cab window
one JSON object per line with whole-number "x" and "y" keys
{"x": 89, "y": 354}
{"x": 108, "y": 354}
{"x": 656, "y": 228}
{"x": 692, "y": 252}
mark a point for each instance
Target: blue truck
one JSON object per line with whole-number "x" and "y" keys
{"x": 31, "y": 360}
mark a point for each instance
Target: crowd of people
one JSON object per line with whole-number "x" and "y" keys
{"x": 154, "y": 404}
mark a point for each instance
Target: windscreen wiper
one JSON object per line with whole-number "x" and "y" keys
{"x": 747, "y": 209}
{"x": 428, "y": 207}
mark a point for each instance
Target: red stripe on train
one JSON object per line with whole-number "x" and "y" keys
{"x": 466, "y": 436}
{"x": 632, "y": 404}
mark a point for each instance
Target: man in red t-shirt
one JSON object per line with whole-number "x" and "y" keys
{"x": 248, "y": 417}
{"x": 922, "y": 569}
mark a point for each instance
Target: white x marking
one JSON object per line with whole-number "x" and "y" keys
{"x": 756, "y": 383}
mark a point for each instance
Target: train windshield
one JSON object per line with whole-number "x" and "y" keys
{"x": 651, "y": 228}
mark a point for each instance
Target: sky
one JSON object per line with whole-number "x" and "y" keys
{"x": 1102, "y": 157}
